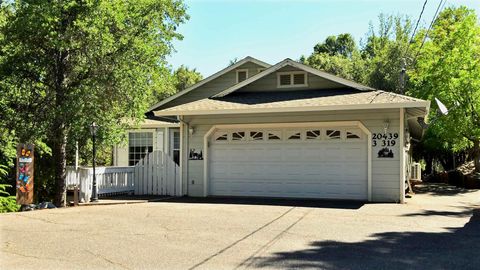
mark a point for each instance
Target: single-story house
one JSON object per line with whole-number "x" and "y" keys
{"x": 285, "y": 130}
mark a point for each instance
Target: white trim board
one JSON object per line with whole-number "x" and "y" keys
{"x": 210, "y": 78}
{"x": 402, "y": 155}
{"x": 358, "y": 124}
{"x": 413, "y": 104}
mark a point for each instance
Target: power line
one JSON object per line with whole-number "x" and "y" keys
{"x": 440, "y": 6}
{"x": 404, "y": 62}
{"x": 416, "y": 26}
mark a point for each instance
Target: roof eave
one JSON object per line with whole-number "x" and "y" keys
{"x": 416, "y": 104}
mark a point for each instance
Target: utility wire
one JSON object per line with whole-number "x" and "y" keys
{"x": 440, "y": 6}
{"x": 403, "y": 71}
{"x": 416, "y": 26}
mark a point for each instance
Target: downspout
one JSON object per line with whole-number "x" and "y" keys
{"x": 183, "y": 160}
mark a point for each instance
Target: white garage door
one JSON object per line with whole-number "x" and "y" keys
{"x": 295, "y": 163}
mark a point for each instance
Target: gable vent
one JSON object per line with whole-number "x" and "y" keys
{"x": 242, "y": 75}
{"x": 299, "y": 79}
{"x": 291, "y": 79}
{"x": 285, "y": 80}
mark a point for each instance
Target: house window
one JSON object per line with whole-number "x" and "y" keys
{"x": 139, "y": 145}
{"x": 175, "y": 141}
{"x": 238, "y": 136}
{"x": 242, "y": 75}
{"x": 333, "y": 134}
{"x": 291, "y": 79}
{"x": 314, "y": 134}
{"x": 256, "y": 135}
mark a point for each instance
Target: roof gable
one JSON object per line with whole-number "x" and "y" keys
{"x": 331, "y": 81}
{"x": 209, "y": 79}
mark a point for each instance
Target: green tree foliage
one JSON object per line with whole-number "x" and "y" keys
{"x": 448, "y": 68}
{"x": 343, "y": 44}
{"x": 176, "y": 81}
{"x": 376, "y": 63}
{"x": 7, "y": 203}
{"x": 66, "y": 64}
{"x": 185, "y": 77}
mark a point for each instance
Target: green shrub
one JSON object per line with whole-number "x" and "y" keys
{"x": 8, "y": 203}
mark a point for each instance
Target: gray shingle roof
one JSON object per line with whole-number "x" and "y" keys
{"x": 291, "y": 99}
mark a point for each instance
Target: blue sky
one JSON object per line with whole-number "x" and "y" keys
{"x": 269, "y": 30}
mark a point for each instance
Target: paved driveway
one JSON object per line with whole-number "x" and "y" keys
{"x": 437, "y": 229}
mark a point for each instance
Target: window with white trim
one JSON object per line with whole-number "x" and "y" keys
{"x": 333, "y": 134}
{"x": 139, "y": 145}
{"x": 176, "y": 146}
{"x": 242, "y": 75}
{"x": 291, "y": 79}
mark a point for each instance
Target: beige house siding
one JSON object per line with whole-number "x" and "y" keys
{"x": 269, "y": 83}
{"x": 385, "y": 171}
{"x": 213, "y": 87}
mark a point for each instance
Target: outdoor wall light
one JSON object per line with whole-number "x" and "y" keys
{"x": 191, "y": 130}
{"x": 386, "y": 124}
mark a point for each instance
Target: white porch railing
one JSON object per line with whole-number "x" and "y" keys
{"x": 109, "y": 180}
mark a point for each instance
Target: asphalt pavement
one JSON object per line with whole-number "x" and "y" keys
{"x": 439, "y": 228}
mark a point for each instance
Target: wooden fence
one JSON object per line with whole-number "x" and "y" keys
{"x": 156, "y": 174}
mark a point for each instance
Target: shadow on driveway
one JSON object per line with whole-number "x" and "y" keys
{"x": 456, "y": 249}
{"x": 336, "y": 204}
{"x": 440, "y": 189}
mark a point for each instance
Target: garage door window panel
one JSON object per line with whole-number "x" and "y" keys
{"x": 334, "y": 134}
{"x": 220, "y": 137}
{"x": 353, "y": 134}
{"x": 294, "y": 135}
{"x": 238, "y": 136}
{"x": 314, "y": 134}
{"x": 274, "y": 135}
{"x": 256, "y": 135}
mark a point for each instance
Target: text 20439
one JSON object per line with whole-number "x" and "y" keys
{"x": 384, "y": 139}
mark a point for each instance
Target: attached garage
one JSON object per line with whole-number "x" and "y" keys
{"x": 328, "y": 162}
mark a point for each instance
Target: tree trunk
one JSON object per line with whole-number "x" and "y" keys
{"x": 60, "y": 159}
{"x": 476, "y": 155}
{"x": 429, "y": 165}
